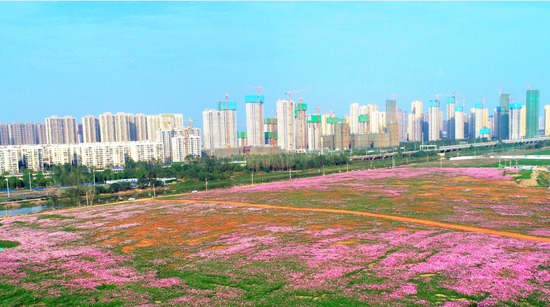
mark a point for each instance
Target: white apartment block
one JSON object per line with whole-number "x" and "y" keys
{"x": 184, "y": 146}
{"x": 90, "y": 129}
{"x": 220, "y": 129}
{"x": 285, "y": 124}
{"x": 104, "y": 155}
{"x": 354, "y": 118}
{"x": 164, "y": 121}
{"x": 61, "y": 130}
{"x": 254, "y": 120}
{"x": 33, "y": 157}
{"x": 434, "y": 119}
{"x": 459, "y": 123}
{"x": 165, "y": 136}
{"x": 9, "y": 159}
{"x": 107, "y": 127}
{"x": 326, "y": 127}
{"x": 141, "y": 127}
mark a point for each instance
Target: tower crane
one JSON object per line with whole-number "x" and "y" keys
{"x": 259, "y": 89}
{"x": 289, "y": 93}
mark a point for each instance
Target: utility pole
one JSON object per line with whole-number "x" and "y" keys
{"x": 323, "y": 169}
{"x": 290, "y": 173}
{"x": 154, "y": 194}
{"x": 30, "y": 182}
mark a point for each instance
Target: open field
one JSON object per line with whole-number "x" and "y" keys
{"x": 399, "y": 237}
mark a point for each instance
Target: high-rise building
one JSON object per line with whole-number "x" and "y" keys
{"x": 402, "y": 125}
{"x": 5, "y": 134}
{"x": 478, "y": 120}
{"x": 164, "y": 121}
{"x": 271, "y": 131}
{"x": 354, "y": 118}
{"x": 90, "y": 129}
{"x": 314, "y": 138}
{"x": 459, "y": 123}
{"x": 220, "y": 127}
{"x": 496, "y": 124}
{"x": 32, "y": 157}
{"x": 451, "y": 104}
{"x": 415, "y": 121}
{"x": 9, "y": 159}
{"x": 426, "y": 126}
{"x": 546, "y": 120}
{"x": 504, "y": 117}
{"x": 392, "y": 127}
{"x": 61, "y": 130}
{"x": 515, "y": 121}
{"x": 107, "y": 127}
{"x": 255, "y": 119}
{"x": 327, "y": 124}
{"x": 434, "y": 120}
{"x": 165, "y": 137}
{"x": 285, "y": 124}
{"x": 300, "y": 126}
{"x": 186, "y": 146}
{"x": 532, "y": 119}
{"x": 141, "y": 127}
{"x": 523, "y": 123}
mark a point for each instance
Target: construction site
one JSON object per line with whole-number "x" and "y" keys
{"x": 293, "y": 130}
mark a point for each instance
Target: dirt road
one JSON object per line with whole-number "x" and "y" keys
{"x": 383, "y": 216}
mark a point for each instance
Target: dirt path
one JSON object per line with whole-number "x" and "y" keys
{"x": 384, "y": 216}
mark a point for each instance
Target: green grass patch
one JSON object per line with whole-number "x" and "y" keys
{"x": 69, "y": 229}
{"x": 106, "y": 287}
{"x": 543, "y": 179}
{"x": 8, "y": 244}
{"x": 55, "y": 216}
{"x": 539, "y": 153}
{"x": 524, "y": 174}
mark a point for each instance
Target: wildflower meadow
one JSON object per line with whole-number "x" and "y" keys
{"x": 312, "y": 247}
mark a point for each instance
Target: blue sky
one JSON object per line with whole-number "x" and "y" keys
{"x": 79, "y": 58}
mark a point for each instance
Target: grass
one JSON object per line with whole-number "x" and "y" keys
{"x": 534, "y": 162}
{"x": 541, "y": 152}
{"x": 8, "y": 244}
{"x": 55, "y": 216}
{"x": 524, "y": 174}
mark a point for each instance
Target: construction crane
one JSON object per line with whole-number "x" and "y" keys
{"x": 259, "y": 89}
{"x": 528, "y": 87}
{"x": 319, "y": 128}
{"x": 290, "y": 114}
{"x": 499, "y": 90}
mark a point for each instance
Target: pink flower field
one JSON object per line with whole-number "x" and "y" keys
{"x": 165, "y": 253}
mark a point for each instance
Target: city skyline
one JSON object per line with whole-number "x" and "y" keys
{"x": 155, "y": 58}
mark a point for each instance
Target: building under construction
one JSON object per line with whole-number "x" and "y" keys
{"x": 254, "y": 119}
{"x": 314, "y": 141}
{"x": 220, "y": 127}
